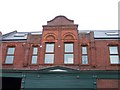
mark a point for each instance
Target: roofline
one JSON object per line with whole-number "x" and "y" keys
{"x": 9, "y": 33}
{"x": 14, "y": 39}
{"x": 106, "y": 38}
{"x": 60, "y": 16}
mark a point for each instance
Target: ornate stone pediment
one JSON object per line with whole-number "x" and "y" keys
{"x": 58, "y": 69}
{"x": 60, "y": 20}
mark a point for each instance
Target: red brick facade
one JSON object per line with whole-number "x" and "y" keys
{"x": 106, "y": 84}
{"x": 61, "y": 30}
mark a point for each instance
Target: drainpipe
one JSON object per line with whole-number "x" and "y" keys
{"x": 93, "y": 49}
{"x": 26, "y": 49}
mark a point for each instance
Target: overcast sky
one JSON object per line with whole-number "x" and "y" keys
{"x": 30, "y": 15}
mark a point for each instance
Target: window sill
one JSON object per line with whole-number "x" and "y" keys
{"x": 33, "y": 64}
{"x": 48, "y": 64}
{"x": 7, "y": 64}
{"x": 85, "y": 64}
{"x": 115, "y": 64}
{"x": 69, "y": 64}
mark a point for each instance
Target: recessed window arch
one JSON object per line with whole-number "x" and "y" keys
{"x": 50, "y": 36}
{"x": 69, "y": 36}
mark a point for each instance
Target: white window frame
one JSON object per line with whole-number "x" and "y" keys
{"x": 67, "y": 52}
{"x": 114, "y": 54}
{"x": 85, "y": 54}
{"x": 48, "y": 53}
{"x": 10, "y": 56}
{"x": 34, "y": 55}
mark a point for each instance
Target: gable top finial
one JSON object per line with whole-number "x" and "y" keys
{"x": 60, "y": 20}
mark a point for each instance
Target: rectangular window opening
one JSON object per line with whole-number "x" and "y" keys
{"x": 34, "y": 55}
{"x": 84, "y": 55}
{"x": 114, "y": 55}
{"x": 68, "y": 53}
{"x": 49, "y": 53}
{"x": 10, "y": 55}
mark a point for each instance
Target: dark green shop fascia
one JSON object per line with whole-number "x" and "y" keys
{"x": 68, "y": 78}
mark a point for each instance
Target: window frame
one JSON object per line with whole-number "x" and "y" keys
{"x": 34, "y": 55}
{"x": 65, "y": 47}
{"x": 84, "y": 54}
{"x": 67, "y": 53}
{"x": 8, "y": 55}
{"x": 49, "y": 53}
{"x": 46, "y": 47}
{"x": 112, "y": 54}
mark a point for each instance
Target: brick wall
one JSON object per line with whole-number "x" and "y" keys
{"x": 108, "y": 84}
{"x": 55, "y": 31}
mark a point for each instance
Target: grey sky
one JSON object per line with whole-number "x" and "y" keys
{"x": 30, "y": 15}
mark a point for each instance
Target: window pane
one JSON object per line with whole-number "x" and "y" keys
{"x": 68, "y": 47}
{"x": 113, "y": 50}
{"x": 49, "y": 58}
{"x": 68, "y": 58}
{"x": 84, "y": 50}
{"x": 35, "y": 50}
{"x": 11, "y": 50}
{"x": 50, "y": 47}
{"x": 34, "y": 59}
{"x": 84, "y": 59}
{"x": 9, "y": 60}
{"x": 114, "y": 59}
